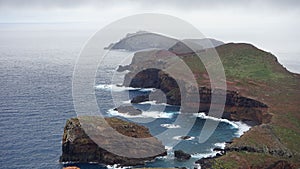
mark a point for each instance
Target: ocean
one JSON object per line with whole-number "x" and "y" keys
{"x": 36, "y": 68}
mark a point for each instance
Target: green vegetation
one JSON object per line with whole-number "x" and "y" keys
{"x": 245, "y": 160}
{"x": 248, "y": 62}
{"x": 242, "y": 62}
{"x": 229, "y": 164}
{"x": 288, "y": 137}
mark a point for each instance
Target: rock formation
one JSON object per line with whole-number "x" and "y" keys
{"x": 77, "y": 146}
{"x": 180, "y": 155}
{"x": 237, "y": 107}
{"x": 147, "y": 40}
{"x": 130, "y": 110}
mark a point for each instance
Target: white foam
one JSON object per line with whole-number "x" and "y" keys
{"x": 154, "y": 102}
{"x": 168, "y": 148}
{"x": 243, "y": 127}
{"x": 147, "y": 90}
{"x": 145, "y": 114}
{"x": 116, "y": 166}
{"x": 126, "y": 102}
{"x": 204, "y": 116}
{"x": 119, "y": 88}
{"x": 170, "y": 126}
{"x": 116, "y": 113}
{"x": 180, "y": 138}
{"x": 157, "y": 114}
{"x": 204, "y": 155}
{"x": 115, "y": 88}
{"x": 220, "y": 145}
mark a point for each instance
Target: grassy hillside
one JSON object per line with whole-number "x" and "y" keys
{"x": 257, "y": 74}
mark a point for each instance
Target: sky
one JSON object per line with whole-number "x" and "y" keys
{"x": 272, "y": 25}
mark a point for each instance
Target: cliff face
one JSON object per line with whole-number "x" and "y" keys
{"x": 77, "y": 146}
{"x": 237, "y": 107}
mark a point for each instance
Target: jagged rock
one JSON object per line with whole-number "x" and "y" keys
{"x": 77, "y": 146}
{"x": 180, "y": 155}
{"x": 130, "y": 110}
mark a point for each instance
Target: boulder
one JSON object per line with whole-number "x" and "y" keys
{"x": 180, "y": 155}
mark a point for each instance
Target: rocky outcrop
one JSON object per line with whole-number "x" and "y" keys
{"x": 147, "y": 40}
{"x": 180, "y": 155}
{"x": 77, "y": 146}
{"x": 130, "y": 110}
{"x": 143, "y": 40}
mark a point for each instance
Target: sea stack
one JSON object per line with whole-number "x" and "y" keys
{"x": 77, "y": 146}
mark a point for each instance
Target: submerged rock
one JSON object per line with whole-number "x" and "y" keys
{"x": 77, "y": 145}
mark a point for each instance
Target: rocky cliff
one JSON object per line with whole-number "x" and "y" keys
{"x": 237, "y": 107}
{"x": 77, "y": 146}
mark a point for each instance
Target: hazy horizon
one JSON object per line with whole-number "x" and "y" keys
{"x": 270, "y": 25}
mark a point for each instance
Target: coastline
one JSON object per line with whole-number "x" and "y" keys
{"x": 242, "y": 126}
